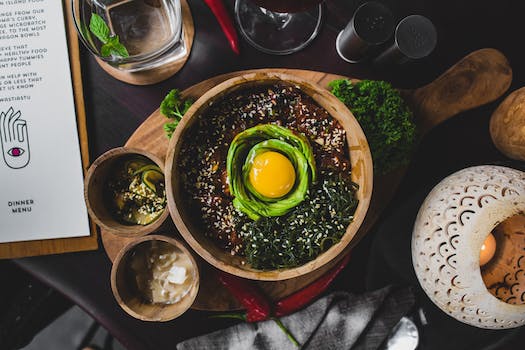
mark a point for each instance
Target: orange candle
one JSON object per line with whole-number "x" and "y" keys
{"x": 487, "y": 250}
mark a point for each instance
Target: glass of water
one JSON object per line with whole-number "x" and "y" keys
{"x": 131, "y": 35}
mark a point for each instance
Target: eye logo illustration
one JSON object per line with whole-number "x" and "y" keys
{"x": 14, "y": 139}
{"x": 15, "y": 152}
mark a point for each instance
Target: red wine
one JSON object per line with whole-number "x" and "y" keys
{"x": 287, "y": 5}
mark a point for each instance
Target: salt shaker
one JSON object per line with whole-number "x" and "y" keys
{"x": 415, "y": 37}
{"x": 371, "y": 25}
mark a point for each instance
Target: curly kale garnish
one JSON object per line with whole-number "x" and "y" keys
{"x": 174, "y": 107}
{"x": 385, "y": 118}
{"x": 169, "y": 128}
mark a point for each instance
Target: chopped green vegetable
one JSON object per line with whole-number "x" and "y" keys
{"x": 385, "y": 118}
{"x": 151, "y": 178}
{"x": 305, "y": 232}
{"x": 150, "y": 175}
{"x": 174, "y": 107}
{"x": 134, "y": 164}
{"x": 145, "y": 167}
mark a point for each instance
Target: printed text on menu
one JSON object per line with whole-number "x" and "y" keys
{"x": 41, "y": 178}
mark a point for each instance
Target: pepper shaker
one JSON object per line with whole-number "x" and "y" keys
{"x": 371, "y": 25}
{"x": 415, "y": 38}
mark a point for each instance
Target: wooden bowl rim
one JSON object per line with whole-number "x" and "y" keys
{"x": 355, "y": 133}
{"x": 115, "y": 228}
{"x": 177, "y": 310}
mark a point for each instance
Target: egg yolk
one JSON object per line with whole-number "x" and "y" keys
{"x": 272, "y": 174}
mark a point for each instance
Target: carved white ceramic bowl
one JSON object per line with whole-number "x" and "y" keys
{"x": 451, "y": 226}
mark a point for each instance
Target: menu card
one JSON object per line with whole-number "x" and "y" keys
{"x": 41, "y": 180}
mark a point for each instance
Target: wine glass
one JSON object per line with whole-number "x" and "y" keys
{"x": 279, "y": 27}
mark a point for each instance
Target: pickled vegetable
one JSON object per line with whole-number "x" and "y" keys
{"x": 137, "y": 194}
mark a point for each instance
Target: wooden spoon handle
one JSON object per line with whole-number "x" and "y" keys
{"x": 477, "y": 79}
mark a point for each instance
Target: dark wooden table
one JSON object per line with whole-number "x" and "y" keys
{"x": 115, "y": 110}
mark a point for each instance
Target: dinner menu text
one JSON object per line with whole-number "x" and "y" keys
{"x": 41, "y": 181}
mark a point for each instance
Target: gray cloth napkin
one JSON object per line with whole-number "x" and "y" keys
{"x": 337, "y": 321}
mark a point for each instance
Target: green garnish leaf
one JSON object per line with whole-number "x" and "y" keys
{"x": 169, "y": 128}
{"x": 111, "y": 43}
{"x": 105, "y": 51}
{"x": 116, "y": 48}
{"x": 385, "y": 118}
{"x": 186, "y": 106}
{"x": 174, "y": 107}
{"x": 99, "y": 28}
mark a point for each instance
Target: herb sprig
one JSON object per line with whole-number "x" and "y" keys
{"x": 111, "y": 43}
{"x": 174, "y": 107}
{"x": 385, "y": 118}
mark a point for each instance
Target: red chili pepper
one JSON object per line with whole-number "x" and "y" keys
{"x": 256, "y": 304}
{"x": 225, "y": 21}
{"x": 305, "y": 296}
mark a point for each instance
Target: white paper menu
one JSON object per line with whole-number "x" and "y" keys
{"x": 41, "y": 180}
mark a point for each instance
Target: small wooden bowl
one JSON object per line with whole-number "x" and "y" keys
{"x": 129, "y": 298}
{"x": 94, "y": 187}
{"x": 362, "y": 174}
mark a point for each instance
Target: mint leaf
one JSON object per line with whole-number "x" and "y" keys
{"x": 99, "y": 28}
{"x": 112, "y": 45}
{"x": 105, "y": 50}
{"x": 116, "y": 48}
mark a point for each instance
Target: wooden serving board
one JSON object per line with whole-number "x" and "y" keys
{"x": 479, "y": 78}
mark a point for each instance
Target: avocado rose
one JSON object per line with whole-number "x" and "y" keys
{"x": 261, "y": 180}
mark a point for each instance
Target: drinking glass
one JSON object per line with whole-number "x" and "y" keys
{"x": 279, "y": 27}
{"x": 150, "y": 30}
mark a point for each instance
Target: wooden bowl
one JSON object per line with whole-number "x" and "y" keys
{"x": 94, "y": 187}
{"x": 125, "y": 290}
{"x": 362, "y": 174}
